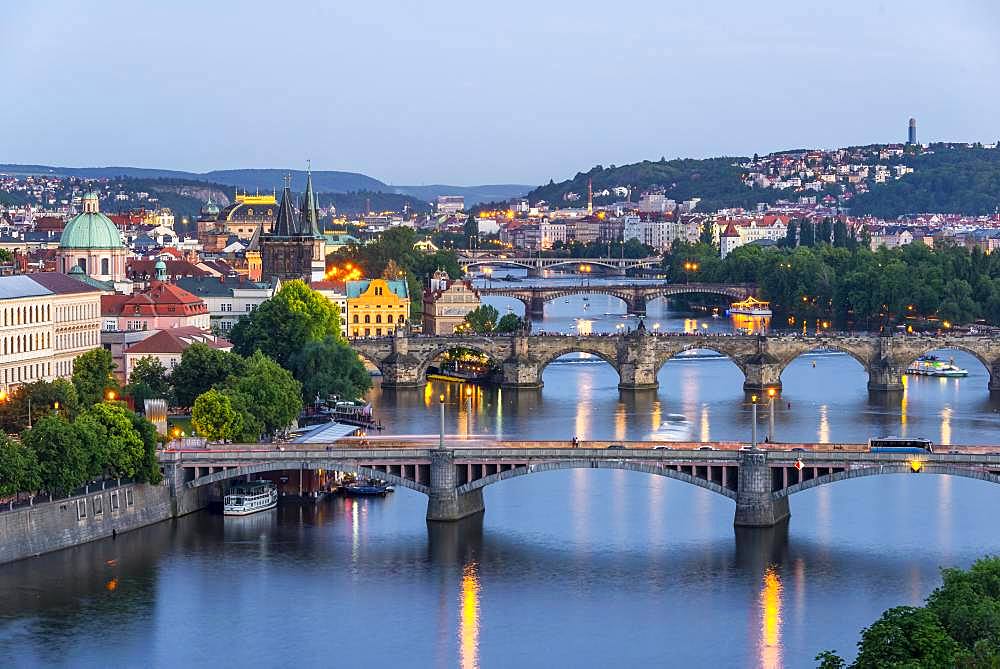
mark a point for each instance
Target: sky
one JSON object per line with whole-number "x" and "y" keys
{"x": 469, "y": 93}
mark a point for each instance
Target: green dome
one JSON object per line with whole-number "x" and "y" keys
{"x": 90, "y": 230}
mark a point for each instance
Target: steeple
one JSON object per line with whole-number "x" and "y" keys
{"x": 286, "y": 225}
{"x": 308, "y": 216}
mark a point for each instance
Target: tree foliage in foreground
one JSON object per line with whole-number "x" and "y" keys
{"x": 959, "y": 626}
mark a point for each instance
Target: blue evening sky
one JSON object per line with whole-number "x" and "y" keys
{"x": 478, "y": 92}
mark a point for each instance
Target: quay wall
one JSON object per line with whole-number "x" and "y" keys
{"x": 52, "y": 526}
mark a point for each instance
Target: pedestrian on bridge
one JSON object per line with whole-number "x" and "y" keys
{"x": 576, "y": 442}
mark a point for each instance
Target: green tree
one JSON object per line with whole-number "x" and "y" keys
{"x": 149, "y": 469}
{"x": 148, "y": 380}
{"x": 840, "y": 234}
{"x": 124, "y": 451}
{"x": 93, "y": 376}
{"x": 248, "y": 428}
{"x": 968, "y": 605}
{"x": 824, "y": 233}
{"x": 509, "y": 323}
{"x": 6, "y": 256}
{"x": 707, "y": 234}
{"x": 283, "y": 324}
{"x": 19, "y": 470}
{"x": 807, "y": 233}
{"x": 792, "y": 234}
{"x": 330, "y": 367}
{"x": 62, "y": 463}
{"x": 43, "y": 397}
{"x": 482, "y": 319}
{"x": 213, "y": 416}
{"x": 906, "y": 636}
{"x": 202, "y": 367}
{"x": 271, "y": 392}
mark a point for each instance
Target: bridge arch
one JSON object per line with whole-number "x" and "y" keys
{"x": 591, "y": 290}
{"x": 333, "y": 465}
{"x": 583, "y": 463}
{"x": 484, "y": 346}
{"x": 609, "y": 357}
{"x": 496, "y": 261}
{"x": 370, "y": 359}
{"x": 989, "y": 365}
{"x": 831, "y": 345}
{"x": 879, "y": 470}
{"x": 701, "y": 346}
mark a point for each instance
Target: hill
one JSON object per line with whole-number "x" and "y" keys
{"x": 328, "y": 181}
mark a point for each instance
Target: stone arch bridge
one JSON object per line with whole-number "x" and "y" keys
{"x": 635, "y": 296}
{"x": 758, "y": 481}
{"x": 638, "y": 356}
{"x": 536, "y": 265}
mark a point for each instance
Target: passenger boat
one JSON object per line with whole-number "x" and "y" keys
{"x": 750, "y": 307}
{"x": 366, "y": 488}
{"x": 930, "y": 365}
{"x": 245, "y": 498}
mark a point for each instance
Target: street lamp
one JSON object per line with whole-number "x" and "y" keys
{"x": 753, "y": 428}
{"x": 468, "y": 410}
{"x": 110, "y": 395}
{"x": 441, "y": 402}
{"x": 771, "y": 393}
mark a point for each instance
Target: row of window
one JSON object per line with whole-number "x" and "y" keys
{"x": 27, "y": 314}
{"x": 368, "y": 332}
{"x": 378, "y": 318}
{"x": 27, "y": 373}
{"x": 97, "y": 503}
{"x": 26, "y": 343}
{"x": 77, "y": 312}
{"x": 76, "y": 340}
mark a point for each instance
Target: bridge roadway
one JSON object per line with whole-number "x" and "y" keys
{"x": 635, "y": 296}
{"x": 535, "y": 264}
{"x": 637, "y": 356}
{"x": 759, "y": 481}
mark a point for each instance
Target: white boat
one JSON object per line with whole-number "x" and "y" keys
{"x": 751, "y": 307}
{"x": 245, "y": 498}
{"x": 929, "y": 365}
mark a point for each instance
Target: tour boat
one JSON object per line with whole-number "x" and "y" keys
{"x": 930, "y": 365}
{"x": 245, "y": 498}
{"x": 750, "y": 307}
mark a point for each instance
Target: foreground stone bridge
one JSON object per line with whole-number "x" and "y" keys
{"x": 635, "y": 296}
{"x": 758, "y": 481}
{"x": 639, "y": 355}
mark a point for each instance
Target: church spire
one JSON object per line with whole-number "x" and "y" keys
{"x": 307, "y": 213}
{"x": 285, "y": 224}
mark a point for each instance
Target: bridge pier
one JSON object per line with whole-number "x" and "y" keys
{"x": 444, "y": 503}
{"x": 761, "y": 376}
{"x": 536, "y": 307}
{"x": 995, "y": 378}
{"x": 885, "y": 376}
{"x": 755, "y": 502}
{"x": 637, "y": 305}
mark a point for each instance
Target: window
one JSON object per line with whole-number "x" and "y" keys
{"x": 82, "y": 263}
{"x": 368, "y": 332}
{"x": 129, "y": 500}
{"x": 115, "y": 504}
{"x": 388, "y": 319}
{"x": 400, "y": 320}
{"x": 105, "y": 266}
{"x": 249, "y": 307}
{"x": 98, "y": 505}
{"x": 355, "y": 320}
{"x": 378, "y": 318}
{"x": 81, "y": 509}
{"x": 368, "y": 318}
{"x": 378, "y": 332}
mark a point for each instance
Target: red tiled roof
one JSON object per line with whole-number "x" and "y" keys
{"x": 175, "y": 340}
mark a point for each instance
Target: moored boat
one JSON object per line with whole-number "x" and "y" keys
{"x": 368, "y": 488}
{"x": 750, "y": 307}
{"x": 248, "y": 497}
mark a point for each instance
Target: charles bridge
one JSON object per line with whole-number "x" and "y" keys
{"x": 637, "y": 356}
{"x": 758, "y": 481}
{"x": 634, "y": 295}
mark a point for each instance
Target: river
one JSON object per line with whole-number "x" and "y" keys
{"x": 569, "y": 568}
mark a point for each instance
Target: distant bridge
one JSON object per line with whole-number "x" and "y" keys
{"x": 635, "y": 296}
{"x": 535, "y": 265}
{"x": 639, "y": 355}
{"x": 758, "y": 481}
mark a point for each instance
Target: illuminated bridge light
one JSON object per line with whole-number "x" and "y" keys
{"x": 916, "y": 466}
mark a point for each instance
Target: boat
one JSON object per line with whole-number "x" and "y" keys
{"x": 371, "y": 487}
{"x": 931, "y": 365}
{"x": 248, "y": 497}
{"x": 750, "y": 307}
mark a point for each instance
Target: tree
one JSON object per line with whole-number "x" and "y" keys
{"x": 482, "y": 319}
{"x": 62, "y": 462}
{"x": 825, "y": 232}
{"x": 93, "y": 376}
{"x": 968, "y": 604}
{"x": 18, "y": 468}
{"x": 393, "y": 271}
{"x": 840, "y": 234}
{"x": 124, "y": 451}
{"x": 807, "y": 233}
{"x": 200, "y": 368}
{"x": 707, "y": 234}
{"x": 249, "y": 427}
{"x": 509, "y": 323}
{"x": 271, "y": 392}
{"x": 330, "y": 367}
{"x": 283, "y": 324}
{"x": 43, "y": 397}
{"x": 791, "y": 235}
{"x": 213, "y": 416}
{"x": 149, "y": 469}
{"x": 906, "y": 636}
{"x": 148, "y": 380}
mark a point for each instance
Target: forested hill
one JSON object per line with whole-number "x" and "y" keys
{"x": 715, "y": 180}
{"x": 959, "y": 180}
{"x": 949, "y": 179}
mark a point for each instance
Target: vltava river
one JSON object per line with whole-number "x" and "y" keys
{"x": 570, "y": 568}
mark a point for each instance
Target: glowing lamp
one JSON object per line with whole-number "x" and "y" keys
{"x": 916, "y": 466}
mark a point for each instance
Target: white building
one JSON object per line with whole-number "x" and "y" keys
{"x": 228, "y": 298}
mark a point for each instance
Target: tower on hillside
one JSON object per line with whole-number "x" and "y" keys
{"x": 590, "y": 196}
{"x": 911, "y": 137}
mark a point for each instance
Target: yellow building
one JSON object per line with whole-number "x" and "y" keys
{"x": 377, "y": 307}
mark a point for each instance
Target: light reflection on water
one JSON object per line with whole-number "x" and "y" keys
{"x": 770, "y": 610}
{"x": 469, "y": 618}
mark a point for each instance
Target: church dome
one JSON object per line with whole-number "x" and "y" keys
{"x": 210, "y": 209}
{"x": 90, "y": 229}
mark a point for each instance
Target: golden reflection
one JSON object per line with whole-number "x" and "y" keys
{"x": 903, "y": 401}
{"x": 428, "y": 393}
{"x": 584, "y": 326}
{"x": 946, "y": 426}
{"x": 468, "y": 630}
{"x": 657, "y": 415}
{"x": 620, "y": 420}
{"x": 750, "y": 324}
{"x": 824, "y": 424}
{"x": 111, "y": 585}
{"x": 355, "y": 530}
{"x": 690, "y": 325}
{"x": 585, "y": 391}
{"x": 770, "y": 607}
{"x": 706, "y": 433}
